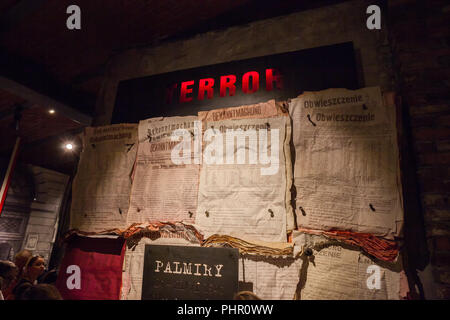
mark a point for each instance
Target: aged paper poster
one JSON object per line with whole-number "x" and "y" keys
{"x": 335, "y": 272}
{"x": 269, "y": 278}
{"x": 163, "y": 190}
{"x": 101, "y": 188}
{"x": 243, "y": 179}
{"x": 346, "y": 170}
{"x": 261, "y": 110}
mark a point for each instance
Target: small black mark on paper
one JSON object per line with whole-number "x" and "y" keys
{"x": 309, "y": 118}
{"x": 271, "y": 213}
{"x": 207, "y": 214}
{"x": 364, "y": 107}
{"x": 371, "y": 207}
{"x": 303, "y": 211}
{"x": 190, "y": 214}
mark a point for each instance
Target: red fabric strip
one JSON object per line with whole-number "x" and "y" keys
{"x": 100, "y": 263}
{"x": 385, "y": 250}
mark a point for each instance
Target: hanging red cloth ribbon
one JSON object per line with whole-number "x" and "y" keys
{"x": 91, "y": 269}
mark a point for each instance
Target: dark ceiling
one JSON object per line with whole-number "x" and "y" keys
{"x": 65, "y": 68}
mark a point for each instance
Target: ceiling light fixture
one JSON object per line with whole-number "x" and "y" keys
{"x": 68, "y": 146}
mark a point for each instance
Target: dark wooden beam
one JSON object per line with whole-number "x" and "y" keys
{"x": 36, "y": 98}
{"x": 31, "y": 81}
{"x": 10, "y": 113}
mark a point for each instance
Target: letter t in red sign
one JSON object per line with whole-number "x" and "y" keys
{"x": 227, "y": 82}
{"x": 185, "y": 90}
{"x": 271, "y": 76}
{"x": 205, "y": 85}
{"x": 169, "y": 93}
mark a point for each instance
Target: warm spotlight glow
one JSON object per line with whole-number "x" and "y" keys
{"x": 51, "y": 111}
{"x": 69, "y": 146}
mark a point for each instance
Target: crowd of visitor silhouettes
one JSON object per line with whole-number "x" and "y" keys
{"x": 27, "y": 279}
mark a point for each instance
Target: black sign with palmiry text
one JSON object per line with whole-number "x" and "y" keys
{"x": 280, "y": 76}
{"x": 189, "y": 273}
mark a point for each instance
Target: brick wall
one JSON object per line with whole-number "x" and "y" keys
{"x": 420, "y": 41}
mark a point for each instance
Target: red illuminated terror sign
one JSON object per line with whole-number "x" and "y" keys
{"x": 227, "y": 83}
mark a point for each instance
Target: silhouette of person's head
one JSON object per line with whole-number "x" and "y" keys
{"x": 42, "y": 291}
{"x": 8, "y": 272}
{"x": 246, "y": 295}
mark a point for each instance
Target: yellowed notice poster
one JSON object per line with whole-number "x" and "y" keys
{"x": 162, "y": 189}
{"x": 335, "y": 272}
{"x": 269, "y": 278}
{"x": 243, "y": 179}
{"x": 267, "y": 109}
{"x": 101, "y": 188}
{"x": 346, "y": 170}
